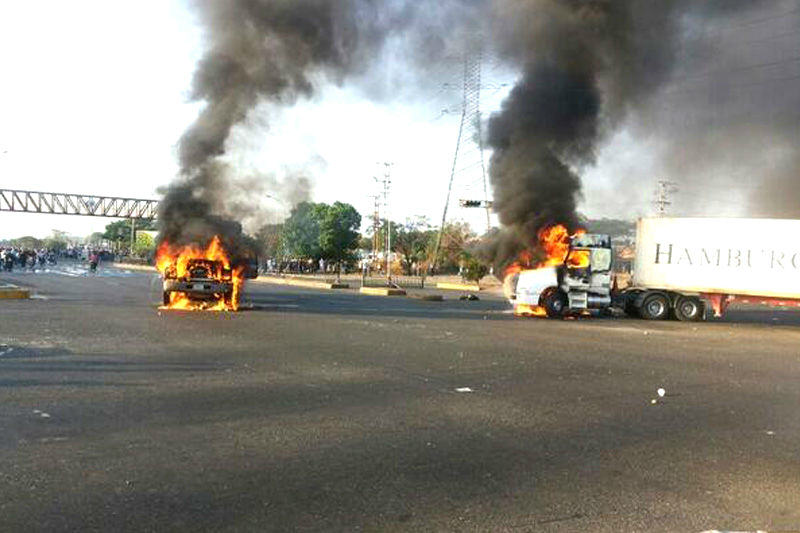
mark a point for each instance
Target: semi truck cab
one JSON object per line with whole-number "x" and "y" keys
{"x": 581, "y": 282}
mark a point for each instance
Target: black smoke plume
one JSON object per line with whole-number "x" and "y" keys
{"x": 257, "y": 51}
{"x": 586, "y": 66}
{"x": 275, "y": 52}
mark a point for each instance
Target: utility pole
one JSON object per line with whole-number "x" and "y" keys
{"x": 387, "y": 182}
{"x": 133, "y": 235}
{"x": 663, "y": 190}
{"x": 376, "y": 223}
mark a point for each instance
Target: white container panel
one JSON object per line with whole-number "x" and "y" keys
{"x": 757, "y": 257}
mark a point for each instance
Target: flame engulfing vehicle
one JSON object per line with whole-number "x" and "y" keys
{"x": 682, "y": 267}
{"x": 201, "y": 279}
{"x": 574, "y": 276}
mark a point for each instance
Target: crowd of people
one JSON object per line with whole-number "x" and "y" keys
{"x": 290, "y": 266}
{"x": 23, "y": 258}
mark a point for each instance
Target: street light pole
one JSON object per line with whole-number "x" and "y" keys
{"x": 387, "y": 172}
{"x": 287, "y": 208}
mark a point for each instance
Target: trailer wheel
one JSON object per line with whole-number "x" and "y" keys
{"x": 555, "y": 303}
{"x": 689, "y": 309}
{"x": 655, "y": 306}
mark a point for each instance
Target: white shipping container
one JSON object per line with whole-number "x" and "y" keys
{"x": 756, "y": 257}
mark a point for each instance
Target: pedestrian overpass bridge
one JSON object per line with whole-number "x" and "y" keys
{"x": 53, "y": 203}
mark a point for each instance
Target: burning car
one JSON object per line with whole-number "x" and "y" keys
{"x": 201, "y": 279}
{"x": 204, "y": 280}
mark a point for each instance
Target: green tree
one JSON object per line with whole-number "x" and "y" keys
{"x": 144, "y": 245}
{"x": 365, "y": 244}
{"x": 338, "y": 233}
{"x": 456, "y": 238}
{"x": 370, "y": 232}
{"x": 414, "y": 241}
{"x": 57, "y": 241}
{"x": 27, "y": 242}
{"x": 95, "y": 238}
{"x": 473, "y": 269}
{"x": 119, "y": 232}
{"x": 301, "y": 231}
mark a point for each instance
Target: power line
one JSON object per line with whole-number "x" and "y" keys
{"x": 730, "y": 86}
{"x": 775, "y": 37}
{"x": 765, "y": 19}
{"x": 739, "y": 69}
{"x": 720, "y": 30}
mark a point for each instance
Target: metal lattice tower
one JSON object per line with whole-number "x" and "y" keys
{"x": 468, "y": 173}
{"x": 662, "y": 201}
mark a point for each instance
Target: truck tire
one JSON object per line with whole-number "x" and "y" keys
{"x": 689, "y": 309}
{"x": 655, "y": 306}
{"x": 166, "y": 298}
{"x": 555, "y": 303}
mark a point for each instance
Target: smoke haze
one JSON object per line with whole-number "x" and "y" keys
{"x": 588, "y": 70}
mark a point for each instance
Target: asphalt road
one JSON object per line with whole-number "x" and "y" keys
{"x": 333, "y": 411}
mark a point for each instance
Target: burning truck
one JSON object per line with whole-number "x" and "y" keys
{"x": 201, "y": 279}
{"x": 575, "y": 275}
{"x": 682, "y": 267}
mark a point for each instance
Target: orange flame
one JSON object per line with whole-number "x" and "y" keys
{"x": 529, "y": 310}
{"x": 554, "y": 241}
{"x": 174, "y": 263}
{"x": 579, "y": 259}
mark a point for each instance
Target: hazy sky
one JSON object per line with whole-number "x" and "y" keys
{"x": 94, "y": 98}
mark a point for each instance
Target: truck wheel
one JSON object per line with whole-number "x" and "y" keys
{"x": 555, "y": 303}
{"x": 166, "y": 298}
{"x": 654, "y": 307}
{"x": 689, "y": 309}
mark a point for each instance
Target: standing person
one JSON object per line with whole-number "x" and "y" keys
{"x": 94, "y": 259}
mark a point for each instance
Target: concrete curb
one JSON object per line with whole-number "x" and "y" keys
{"x": 458, "y": 286}
{"x": 301, "y": 283}
{"x": 12, "y": 292}
{"x": 382, "y": 291}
